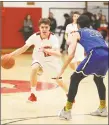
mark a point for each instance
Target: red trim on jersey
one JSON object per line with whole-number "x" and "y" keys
{"x": 38, "y": 33}
{"x": 45, "y": 38}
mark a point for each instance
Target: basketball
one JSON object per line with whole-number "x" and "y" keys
{"x": 7, "y": 62}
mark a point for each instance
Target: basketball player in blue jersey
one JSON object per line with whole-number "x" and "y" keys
{"x": 95, "y": 63}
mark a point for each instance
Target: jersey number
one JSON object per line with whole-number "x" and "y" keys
{"x": 46, "y": 54}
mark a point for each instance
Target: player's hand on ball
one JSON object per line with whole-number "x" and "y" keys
{"x": 6, "y": 56}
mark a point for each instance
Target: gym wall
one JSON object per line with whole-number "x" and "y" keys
{"x": 12, "y": 22}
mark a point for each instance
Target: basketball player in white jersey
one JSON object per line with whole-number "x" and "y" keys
{"x": 46, "y": 53}
{"x": 70, "y": 29}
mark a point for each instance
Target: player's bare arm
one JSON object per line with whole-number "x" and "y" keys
{"x": 19, "y": 51}
{"x": 72, "y": 46}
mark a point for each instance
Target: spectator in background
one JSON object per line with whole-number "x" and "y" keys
{"x": 53, "y": 22}
{"x": 103, "y": 27}
{"x": 71, "y": 15}
{"x": 99, "y": 15}
{"x": 103, "y": 21}
{"x": 89, "y": 14}
{"x": 96, "y": 21}
{"x": 27, "y": 27}
{"x": 67, "y": 21}
{"x": 99, "y": 21}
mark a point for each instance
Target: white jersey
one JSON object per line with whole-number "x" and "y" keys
{"x": 54, "y": 63}
{"x": 71, "y": 28}
{"x": 38, "y": 42}
{"x": 79, "y": 54}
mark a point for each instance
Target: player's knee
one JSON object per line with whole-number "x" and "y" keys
{"x": 73, "y": 78}
{"x": 35, "y": 67}
{"x": 76, "y": 77}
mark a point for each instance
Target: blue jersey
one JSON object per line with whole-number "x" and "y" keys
{"x": 91, "y": 39}
{"x": 96, "y": 61}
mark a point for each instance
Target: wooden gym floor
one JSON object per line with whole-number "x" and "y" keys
{"x": 15, "y": 91}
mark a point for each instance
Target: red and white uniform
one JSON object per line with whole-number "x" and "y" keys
{"x": 79, "y": 54}
{"x": 38, "y": 55}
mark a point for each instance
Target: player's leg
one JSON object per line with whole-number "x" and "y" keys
{"x": 56, "y": 67}
{"x": 74, "y": 82}
{"x": 35, "y": 69}
{"x": 101, "y": 111}
{"x": 73, "y": 88}
{"x": 62, "y": 85}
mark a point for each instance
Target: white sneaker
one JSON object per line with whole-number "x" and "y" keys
{"x": 100, "y": 112}
{"x": 65, "y": 114}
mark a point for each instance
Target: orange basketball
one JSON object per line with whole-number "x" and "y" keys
{"x": 7, "y": 62}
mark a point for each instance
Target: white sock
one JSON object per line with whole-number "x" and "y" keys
{"x": 33, "y": 89}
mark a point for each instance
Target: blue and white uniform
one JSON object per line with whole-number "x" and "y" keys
{"x": 97, "y": 51}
